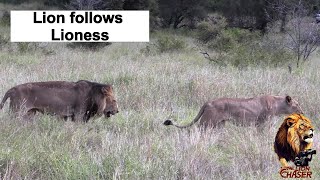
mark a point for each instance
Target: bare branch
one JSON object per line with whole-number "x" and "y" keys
{"x": 86, "y": 5}
{"x": 303, "y": 36}
{"x": 207, "y": 56}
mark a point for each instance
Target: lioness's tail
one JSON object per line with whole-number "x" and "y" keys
{"x": 6, "y": 96}
{"x": 170, "y": 122}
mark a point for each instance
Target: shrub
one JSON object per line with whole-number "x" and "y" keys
{"x": 229, "y": 38}
{"x": 12, "y": 1}
{"x": 222, "y": 43}
{"x": 255, "y": 54}
{"x": 206, "y": 32}
{"x": 170, "y": 43}
{"x": 165, "y": 43}
{"x": 57, "y": 3}
{"x": 94, "y": 46}
{"x": 32, "y": 47}
{"x": 241, "y": 48}
{"x": 243, "y": 35}
{"x": 210, "y": 28}
{"x": 24, "y": 47}
{"x": 5, "y": 19}
{"x": 3, "y": 41}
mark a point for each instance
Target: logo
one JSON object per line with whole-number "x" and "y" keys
{"x": 293, "y": 143}
{"x": 297, "y": 172}
{"x": 304, "y": 157}
{"x": 302, "y": 169}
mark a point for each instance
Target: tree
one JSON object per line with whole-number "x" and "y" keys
{"x": 255, "y": 14}
{"x": 136, "y": 4}
{"x": 248, "y": 14}
{"x": 304, "y": 35}
{"x": 174, "y": 12}
{"x": 278, "y": 9}
{"x": 86, "y": 5}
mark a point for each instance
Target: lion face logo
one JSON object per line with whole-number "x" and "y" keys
{"x": 301, "y": 126}
{"x": 294, "y": 136}
{"x": 305, "y": 132}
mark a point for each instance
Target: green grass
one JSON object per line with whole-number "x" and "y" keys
{"x": 149, "y": 88}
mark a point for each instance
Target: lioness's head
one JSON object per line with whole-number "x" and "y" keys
{"x": 291, "y": 106}
{"x": 300, "y": 126}
{"x": 111, "y": 106}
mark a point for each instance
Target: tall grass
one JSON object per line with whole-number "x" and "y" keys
{"x": 149, "y": 88}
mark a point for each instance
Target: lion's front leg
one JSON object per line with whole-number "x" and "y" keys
{"x": 283, "y": 162}
{"x": 309, "y": 146}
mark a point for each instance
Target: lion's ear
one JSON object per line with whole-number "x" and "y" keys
{"x": 106, "y": 90}
{"x": 291, "y": 122}
{"x": 288, "y": 99}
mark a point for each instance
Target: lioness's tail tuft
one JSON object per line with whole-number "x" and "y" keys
{"x": 167, "y": 122}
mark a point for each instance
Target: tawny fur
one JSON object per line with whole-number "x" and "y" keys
{"x": 244, "y": 111}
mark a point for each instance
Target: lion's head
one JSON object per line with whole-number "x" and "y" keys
{"x": 111, "y": 107}
{"x": 294, "y": 135}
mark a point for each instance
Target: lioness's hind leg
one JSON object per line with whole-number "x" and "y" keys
{"x": 221, "y": 124}
{"x": 210, "y": 119}
{"x": 29, "y": 115}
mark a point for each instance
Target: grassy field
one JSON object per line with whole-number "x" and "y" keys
{"x": 149, "y": 88}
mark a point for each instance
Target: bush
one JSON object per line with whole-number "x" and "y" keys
{"x": 32, "y": 47}
{"x": 210, "y": 28}
{"x": 93, "y": 46}
{"x": 229, "y": 38}
{"x": 243, "y": 35}
{"x": 167, "y": 43}
{"x": 3, "y": 41}
{"x": 222, "y": 43}
{"x": 241, "y": 48}
{"x": 24, "y": 47}
{"x": 86, "y": 5}
{"x": 5, "y": 19}
{"x": 255, "y": 54}
{"x": 12, "y": 1}
{"x": 206, "y": 32}
{"x": 57, "y": 3}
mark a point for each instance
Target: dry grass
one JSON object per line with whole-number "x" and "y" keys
{"x": 134, "y": 144}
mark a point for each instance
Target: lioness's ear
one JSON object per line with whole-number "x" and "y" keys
{"x": 290, "y": 122}
{"x": 288, "y": 99}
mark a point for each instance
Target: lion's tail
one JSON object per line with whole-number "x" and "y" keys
{"x": 6, "y": 96}
{"x": 170, "y": 122}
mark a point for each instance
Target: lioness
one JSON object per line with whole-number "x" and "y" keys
{"x": 244, "y": 111}
{"x": 78, "y": 100}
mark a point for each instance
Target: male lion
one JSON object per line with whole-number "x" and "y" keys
{"x": 78, "y": 100}
{"x": 294, "y": 135}
{"x": 244, "y": 111}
